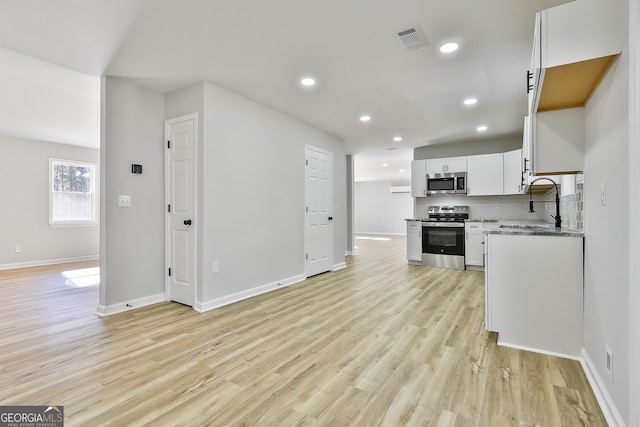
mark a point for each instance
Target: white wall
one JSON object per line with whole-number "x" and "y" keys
{"x": 132, "y": 239}
{"x": 378, "y": 211}
{"x": 634, "y": 192}
{"x": 606, "y": 281}
{"x": 24, "y": 217}
{"x": 251, "y": 185}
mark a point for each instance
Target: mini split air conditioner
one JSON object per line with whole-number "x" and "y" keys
{"x": 401, "y": 189}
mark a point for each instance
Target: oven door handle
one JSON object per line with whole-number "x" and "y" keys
{"x": 443, "y": 224}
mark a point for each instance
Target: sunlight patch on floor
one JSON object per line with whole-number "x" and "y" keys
{"x": 384, "y": 239}
{"x": 82, "y": 277}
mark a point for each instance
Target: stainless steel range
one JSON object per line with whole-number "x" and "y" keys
{"x": 443, "y": 237}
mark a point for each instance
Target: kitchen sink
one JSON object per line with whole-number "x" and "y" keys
{"x": 526, "y": 226}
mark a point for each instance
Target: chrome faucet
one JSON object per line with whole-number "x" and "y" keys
{"x": 557, "y": 217}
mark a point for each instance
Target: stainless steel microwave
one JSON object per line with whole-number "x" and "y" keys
{"x": 447, "y": 183}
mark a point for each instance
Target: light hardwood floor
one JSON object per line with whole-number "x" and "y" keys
{"x": 377, "y": 343}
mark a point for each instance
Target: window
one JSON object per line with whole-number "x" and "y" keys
{"x": 71, "y": 193}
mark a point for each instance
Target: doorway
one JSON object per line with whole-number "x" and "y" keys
{"x": 318, "y": 234}
{"x": 181, "y": 220}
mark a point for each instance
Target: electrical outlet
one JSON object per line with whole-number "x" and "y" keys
{"x": 215, "y": 267}
{"x": 609, "y": 363}
{"x": 18, "y": 249}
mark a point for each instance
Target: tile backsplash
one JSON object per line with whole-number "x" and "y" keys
{"x": 571, "y": 209}
{"x": 484, "y": 207}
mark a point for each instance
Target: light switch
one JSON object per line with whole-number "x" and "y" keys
{"x": 124, "y": 201}
{"x": 603, "y": 194}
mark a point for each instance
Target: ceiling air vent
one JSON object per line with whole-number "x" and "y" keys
{"x": 412, "y": 38}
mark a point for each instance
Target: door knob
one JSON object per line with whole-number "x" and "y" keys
{"x": 330, "y": 218}
{"x": 187, "y": 222}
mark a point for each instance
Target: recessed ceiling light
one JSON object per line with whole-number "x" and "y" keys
{"x": 397, "y": 138}
{"x": 470, "y": 101}
{"x": 449, "y": 47}
{"x": 401, "y": 170}
{"x": 307, "y": 81}
{"x": 384, "y": 165}
{"x": 365, "y": 118}
{"x": 481, "y": 128}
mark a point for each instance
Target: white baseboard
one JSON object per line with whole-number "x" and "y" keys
{"x": 605, "y": 401}
{"x": 348, "y": 253}
{"x": 239, "y": 296}
{"x": 108, "y": 310}
{"x": 48, "y": 262}
{"x": 537, "y": 350}
{"x": 379, "y": 233}
{"x": 339, "y": 266}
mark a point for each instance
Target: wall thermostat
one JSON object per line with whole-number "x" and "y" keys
{"x": 136, "y": 168}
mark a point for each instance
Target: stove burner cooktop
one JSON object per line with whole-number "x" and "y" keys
{"x": 448, "y": 213}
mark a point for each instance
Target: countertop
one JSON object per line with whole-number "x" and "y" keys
{"x": 519, "y": 227}
{"x": 530, "y": 228}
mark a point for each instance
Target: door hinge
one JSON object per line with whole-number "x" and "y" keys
{"x": 306, "y": 256}
{"x": 169, "y": 271}
{"x": 168, "y": 144}
{"x": 168, "y": 208}
{"x": 306, "y": 209}
{"x": 306, "y": 162}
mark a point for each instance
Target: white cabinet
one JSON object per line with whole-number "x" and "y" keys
{"x": 534, "y": 292}
{"x": 574, "y": 47}
{"x": 414, "y": 242}
{"x": 473, "y": 244}
{"x": 533, "y": 73}
{"x": 526, "y": 147}
{"x": 513, "y": 174}
{"x": 485, "y": 175}
{"x": 448, "y": 164}
{"x": 418, "y": 178}
{"x": 567, "y": 185}
{"x": 558, "y": 141}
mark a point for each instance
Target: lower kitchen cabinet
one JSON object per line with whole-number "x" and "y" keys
{"x": 473, "y": 244}
{"x": 414, "y": 242}
{"x": 534, "y": 292}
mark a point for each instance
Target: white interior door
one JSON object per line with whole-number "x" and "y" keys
{"x": 181, "y": 209}
{"x": 318, "y": 211}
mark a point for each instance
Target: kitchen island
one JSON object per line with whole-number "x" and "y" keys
{"x": 534, "y": 286}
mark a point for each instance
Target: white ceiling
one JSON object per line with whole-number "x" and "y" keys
{"x": 260, "y": 49}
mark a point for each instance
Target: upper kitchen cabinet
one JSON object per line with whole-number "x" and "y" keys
{"x": 526, "y": 148}
{"x": 513, "y": 172}
{"x": 574, "y": 46}
{"x": 449, "y": 164}
{"x": 558, "y": 142}
{"x": 418, "y": 178}
{"x": 485, "y": 175}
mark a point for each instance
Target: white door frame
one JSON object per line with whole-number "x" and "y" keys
{"x": 634, "y": 197}
{"x": 331, "y": 209}
{"x": 167, "y": 217}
